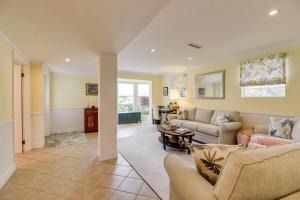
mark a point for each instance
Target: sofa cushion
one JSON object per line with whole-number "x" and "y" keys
{"x": 210, "y": 158}
{"x": 191, "y": 114}
{"x": 203, "y": 115}
{"x": 209, "y": 129}
{"x": 190, "y": 125}
{"x": 264, "y": 173}
{"x": 296, "y": 130}
{"x": 234, "y": 115}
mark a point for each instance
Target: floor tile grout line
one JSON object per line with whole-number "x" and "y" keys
{"x": 84, "y": 150}
{"x": 38, "y": 190}
{"x": 141, "y": 187}
{"x": 73, "y": 180}
{"x": 76, "y": 169}
{"x": 141, "y": 177}
{"x": 81, "y": 168}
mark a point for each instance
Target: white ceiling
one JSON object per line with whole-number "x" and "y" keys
{"x": 227, "y": 30}
{"x": 48, "y": 31}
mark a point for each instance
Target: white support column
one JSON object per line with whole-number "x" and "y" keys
{"x": 107, "y": 103}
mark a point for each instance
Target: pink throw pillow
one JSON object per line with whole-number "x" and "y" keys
{"x": 243, "y": 137}
{"x": 269, "y": 140}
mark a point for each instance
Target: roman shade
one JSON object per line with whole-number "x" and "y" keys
{"x": 269, "y": 70}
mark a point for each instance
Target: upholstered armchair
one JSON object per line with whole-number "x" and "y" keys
{"x": 254, "y": 174}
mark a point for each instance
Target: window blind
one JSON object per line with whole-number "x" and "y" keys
{"x": 268, "y": 70}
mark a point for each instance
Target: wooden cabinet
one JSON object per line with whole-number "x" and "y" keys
{"x": 90, "y": 120}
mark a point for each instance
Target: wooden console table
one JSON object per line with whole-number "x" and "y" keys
{"x": 91, "y": 120}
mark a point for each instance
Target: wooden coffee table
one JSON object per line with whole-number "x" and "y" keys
{"x": 180, "y": 136}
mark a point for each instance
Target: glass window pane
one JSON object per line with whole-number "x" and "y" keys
{"x": 125, "y": 104}
{"x": 143, "y": 105}
{"x": 264, "y": 91}
{"x": 143, "y": 90}
{"x": 125, "y": 89}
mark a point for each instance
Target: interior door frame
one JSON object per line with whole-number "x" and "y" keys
{"x": 17, "y": 102}
{"x": 23, "y": 123}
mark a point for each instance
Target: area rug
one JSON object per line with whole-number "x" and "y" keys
{"x": 146, "y": 155}
{"x": 64, "y": 139}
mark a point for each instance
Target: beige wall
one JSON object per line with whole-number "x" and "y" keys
{"x": 6, "y": 81}
{"x": 156, "y": 83}
{"x": 68, "y": 91}
{"x": 36, "y": 88}
{"x": 290, "y": 105}
{"x": 7, "y": 153}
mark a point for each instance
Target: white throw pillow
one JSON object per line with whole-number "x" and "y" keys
{"x": 221, "y": 119}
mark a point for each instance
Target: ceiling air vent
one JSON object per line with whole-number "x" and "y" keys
{"x": 194, "y": 45}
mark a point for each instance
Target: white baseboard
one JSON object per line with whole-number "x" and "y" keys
{"x": 4, "y": 178}
{"x": 66, "y": 130}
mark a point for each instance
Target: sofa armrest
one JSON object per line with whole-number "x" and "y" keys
{"x": 228, "y": 131}
{"x": 171, "y": 116}
{"x": 261, "y": 129}
{"x": 230, "y": 126}
{"x": 185, "y": 182}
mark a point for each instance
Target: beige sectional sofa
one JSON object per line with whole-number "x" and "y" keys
{"x": 257, "y": 174}
{"x": 202, "y": 122}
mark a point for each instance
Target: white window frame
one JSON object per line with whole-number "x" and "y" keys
{"x": 135, "y": 92}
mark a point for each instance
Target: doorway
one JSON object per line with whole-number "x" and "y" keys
{"x": 21, "y": 108}
{"x": 135, "y": 96}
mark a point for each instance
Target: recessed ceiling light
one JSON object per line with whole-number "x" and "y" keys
{"x": 273, "y": 12}
{"x": 67, "y": 59}
{"x": 190, "y": 58}
{"x": 153, "y": 50}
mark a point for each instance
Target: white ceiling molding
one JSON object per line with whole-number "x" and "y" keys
{"x": 19, "y": 56}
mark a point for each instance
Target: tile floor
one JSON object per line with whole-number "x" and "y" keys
{"x": 74, "y": 172}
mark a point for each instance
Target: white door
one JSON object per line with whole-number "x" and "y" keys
{"x": 18, "y": 108}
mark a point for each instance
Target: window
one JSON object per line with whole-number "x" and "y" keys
{"x": 125, "y": 97}
{"x": 135, "y": 96}
{"x": 264, "y": 91}
{"x": 143, "y": 98}
{"x": 264, "y": 77}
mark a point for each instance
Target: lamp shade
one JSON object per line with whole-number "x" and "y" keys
{"x": 174, "y": 94}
